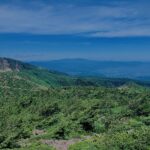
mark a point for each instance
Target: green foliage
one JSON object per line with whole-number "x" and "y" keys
{"x": 63, "y": 107}
{"x": 99, "y": 126}
{"x": 34, "y": 145}
{"x": 131, "y": 140}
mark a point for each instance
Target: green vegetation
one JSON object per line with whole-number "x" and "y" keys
{"x": 38, "y": 105}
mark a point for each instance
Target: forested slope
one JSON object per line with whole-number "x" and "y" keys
{"x": 35, "y": 107}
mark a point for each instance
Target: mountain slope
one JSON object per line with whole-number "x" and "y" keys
{"x": 7, "y": 64}
{"x": 36, "y": 108}
{"x": 15, "y": 72}
{"x": 119, "y": 116}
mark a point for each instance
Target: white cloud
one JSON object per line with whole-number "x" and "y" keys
{"x": 123, "y": 19}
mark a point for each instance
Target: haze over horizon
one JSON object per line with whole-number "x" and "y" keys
{"x": 41, "y": 30}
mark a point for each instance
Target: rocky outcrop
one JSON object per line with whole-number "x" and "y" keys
{"x": 12, "y": 65}
{"x": 4, "y": 65}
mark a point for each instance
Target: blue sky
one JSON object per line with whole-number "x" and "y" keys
{"x": 93, "y": 29}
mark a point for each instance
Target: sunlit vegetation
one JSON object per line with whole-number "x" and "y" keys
{"x": 112, "y": 118}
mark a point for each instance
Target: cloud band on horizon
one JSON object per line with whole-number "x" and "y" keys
{"x": 111, "y": 19}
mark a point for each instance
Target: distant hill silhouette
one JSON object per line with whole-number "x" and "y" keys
{"x": 83, "y": 67}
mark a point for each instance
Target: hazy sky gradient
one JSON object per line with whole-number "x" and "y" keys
{"x": 93, "y": 29}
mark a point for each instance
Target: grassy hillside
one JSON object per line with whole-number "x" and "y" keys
{"x": 103, "y": 114}
{"x": 38, "y": 107}
{"x": 13, "y": 70}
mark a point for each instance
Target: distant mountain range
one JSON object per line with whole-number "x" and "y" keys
{"x": 83, "y": 67}
{"x": 20, "y": 74}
